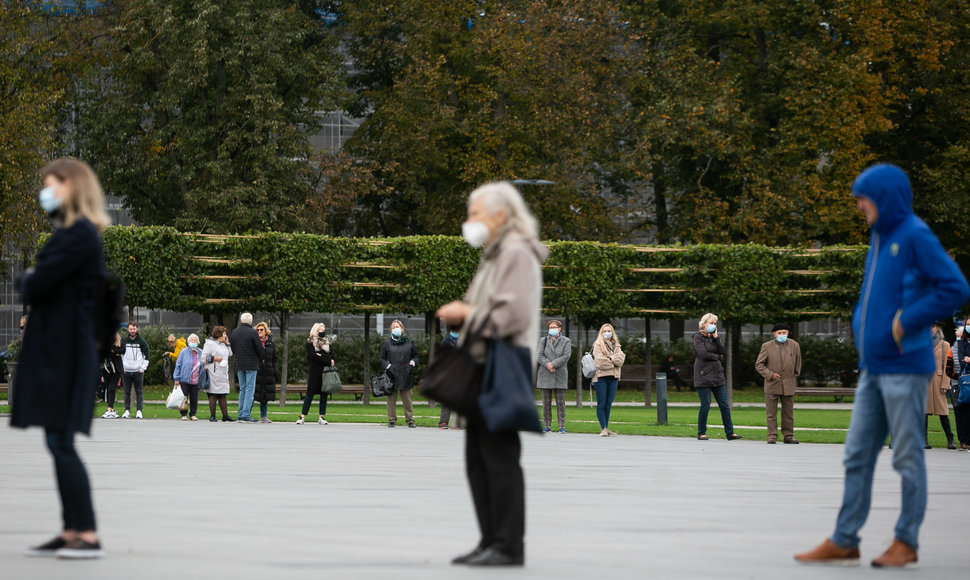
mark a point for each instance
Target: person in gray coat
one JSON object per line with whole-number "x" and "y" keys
{"x": 552, "y": 377}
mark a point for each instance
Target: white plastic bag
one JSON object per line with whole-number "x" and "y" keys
{"x": 175, "y": 398}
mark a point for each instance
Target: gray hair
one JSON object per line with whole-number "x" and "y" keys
{"x": 502, "y": 195}
{"x": 709, "y": 317}
{"x": 245, "y": 318}
{"x": 191, "y": 336}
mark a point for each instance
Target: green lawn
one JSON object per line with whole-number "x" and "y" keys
{"x": 811, "y": 426}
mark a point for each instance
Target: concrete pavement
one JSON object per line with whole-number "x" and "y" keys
{"x": 194, "y": 500}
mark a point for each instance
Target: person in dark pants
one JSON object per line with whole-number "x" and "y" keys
{"x": 961, "y": 366}
{"x": 673, "y": 373}
{"x": 54, "y": 387}
{"x": 445, "y": 417}
{"x": 398, "y": 358}
{"x": 111, "y": 370}
{"x": 709, "y": 377}
{"x": 189, "y": 367}
{"x": 266, "y": 376}
{"x": 319, "y": 355}
{"x": 504, "y": 300}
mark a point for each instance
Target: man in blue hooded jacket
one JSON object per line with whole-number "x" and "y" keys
{"x": 909, "y": 283}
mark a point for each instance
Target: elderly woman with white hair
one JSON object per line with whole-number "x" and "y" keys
{"x": 189, "y": 366}
{"x": 709, "y": 376}
{"x": 503, "y": 301}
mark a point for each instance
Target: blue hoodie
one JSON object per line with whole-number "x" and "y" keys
{"x": 908, "y": 277}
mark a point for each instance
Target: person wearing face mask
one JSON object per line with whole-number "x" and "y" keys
{"x": 780, "y": 363}
{"x": 58, "y": 356}
{"x": 445, "y": 418}
{"x": 961, "y": 360}
{"x": 609, "y": 359}
{"x": 189, "y": 367}
{"x": 398, "y": 358}
{"x": 940, "y": 383}
{"x": 215, "y": 356}
{"x": 709, "y": 376}
{"x": 502, "y": 303}
{"x": 319, "y": 356}
{"x": 552, "y": 377}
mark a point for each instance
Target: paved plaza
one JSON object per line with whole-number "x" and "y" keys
{"x": 184, "y": 500}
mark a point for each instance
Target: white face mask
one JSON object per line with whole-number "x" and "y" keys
{"x": 475, "y": 233}
{"x": 607, "y": 335}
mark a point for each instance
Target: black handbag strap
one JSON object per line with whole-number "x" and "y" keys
{"x": 476, "y": 335}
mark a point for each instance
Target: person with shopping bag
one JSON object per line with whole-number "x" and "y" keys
{"x": 500, "y": 315}
{"x": 189, "y": 367}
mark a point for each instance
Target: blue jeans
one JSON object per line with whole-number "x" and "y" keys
{"x": 605, "y": 393}
{"x": 894, "y": 405}
{"x": 720, "y": 395}
{"x": 247, "y": 386}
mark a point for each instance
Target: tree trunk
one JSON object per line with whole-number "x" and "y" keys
{"x": 579, "y": 364}
{"x": 733, "y": 348}
{"x": 434, "y": 328}
{"x": 284, "y": 336}
{"x": 367, "y": 358}
{"x": 676, "y": 329}
{"x": 648, "y": 361}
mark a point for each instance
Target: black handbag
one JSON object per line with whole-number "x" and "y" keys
{"x": 507, "y": 402}
{"x": 380, "y": 385}
{"x": 453, "y": 378}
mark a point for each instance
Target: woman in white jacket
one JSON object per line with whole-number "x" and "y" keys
{"x": 216, "y": 355}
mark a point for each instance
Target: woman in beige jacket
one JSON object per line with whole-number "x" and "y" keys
{"x": 609, "y": 359}
{"x": 939, "y": 385}
{"x": 505, "y": 296}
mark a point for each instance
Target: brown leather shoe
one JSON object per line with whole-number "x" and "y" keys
{"x": 831, "y": 554}
{"x": 899, "y": 555}
{"x": 791, "y": 441}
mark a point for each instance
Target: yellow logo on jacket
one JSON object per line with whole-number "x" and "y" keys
{"x": 894, "y": 249}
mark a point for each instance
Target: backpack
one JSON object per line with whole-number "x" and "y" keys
{"x": 108, "y": 312}
{"x": 589, "y": 365}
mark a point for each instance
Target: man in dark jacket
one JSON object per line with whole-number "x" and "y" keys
{"x": 248, "y": 351}
{"x": 909, "y": 283}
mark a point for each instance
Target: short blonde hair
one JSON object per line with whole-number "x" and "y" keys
{"x": 87, "y": 198}
{"x": 709, "y": 317}
{"x": 399, "y": 323}
{"x": 264, "y": 326}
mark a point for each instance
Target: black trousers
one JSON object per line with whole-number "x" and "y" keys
{"x": 498, "y": 487}
{"x": 962, "y": 415}
{"x": 192, "y": 392}
{"x": 77, "y": 510}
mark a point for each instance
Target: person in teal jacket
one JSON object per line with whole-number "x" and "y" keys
{"x": 909, "y": 283}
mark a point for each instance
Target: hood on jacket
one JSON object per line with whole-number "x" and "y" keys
{"x": 888, "y": 187}
{"x": 538, "y": 249}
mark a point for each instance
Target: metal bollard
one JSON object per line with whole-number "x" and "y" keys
{"x": 661, "y": 398}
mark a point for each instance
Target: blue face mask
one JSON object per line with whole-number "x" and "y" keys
{"x": 396, "y": 332}
{"x": 782, "y": 338}
{"x": 553, "y": 332}
{"x": 453, "y": 335}
{"x": 48, "y": 201}
{"x": 193, "y": 345}
{"x": 712, "y": 328}
{"x": 607, "y": 335}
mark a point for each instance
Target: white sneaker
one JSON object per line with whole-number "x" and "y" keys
{"x": 322, "y": 421}
{"x": 107, "y": 415}
{"x": 138, "y": 415}
{"x": 605, "y": 433}
{"x": 299, "y": 421}
{"x": 127, "y": 414}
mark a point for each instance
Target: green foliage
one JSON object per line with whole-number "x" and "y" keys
{"x": 829, "y": 360}
{"x": 155, "y": 336}
{"x": 152, "y": 262}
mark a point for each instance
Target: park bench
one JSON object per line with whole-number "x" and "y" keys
{"x": 634, "y": 375}
{"x": 356, "y": 390}
{"x": 837, "y": 392}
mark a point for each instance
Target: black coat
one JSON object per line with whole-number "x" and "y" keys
{"x": 708, "y": 370}
{"x": 266, "y": 375}
{"x": 112, "y": 368}
{"x": 247, "y": 349}
{"x": 317, "y": 360}
{"x": 399, "y": 355}
{"x": 58, "y": 363}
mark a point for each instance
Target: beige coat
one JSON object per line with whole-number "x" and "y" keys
{"x": 783, "y": 359}
{"x": 508, "y": 289}
{"x": 936, "y": 396}
{"x": 609, "y": 358}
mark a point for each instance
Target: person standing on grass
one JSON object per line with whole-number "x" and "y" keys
{"x": 609, "y": 359}
{"x": 248, "y": 351}
{"x": 111, "y": 370}
{"x": 909, "y": 283}
{"x": 780, "y": 363}
{"x": 709, "y": 377}
{"x": 135, "y": 363}
{"x": 189, "y": 367}
{"x": 503, "y": 301}
{"x": 215, "y": 355}
{"x": 266, "y": 376}
{"x": 58, "y": 356}
{"x": 552, "y": 376}
{"x": 445, "y": 418}
{"x": 940, "y": 383}
{"x": 398, "y": 358}
{"x": 319, "y": 356}
{"x": 961, "y": 413}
